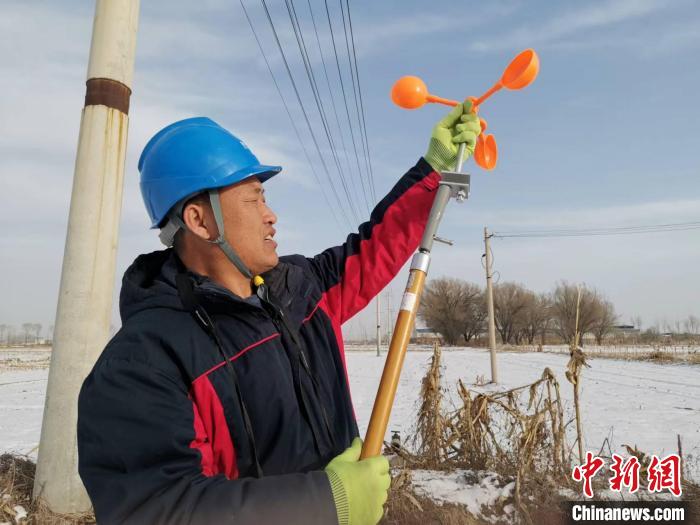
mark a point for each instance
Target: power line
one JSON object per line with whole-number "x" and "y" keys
{"x": 342, "y": 87}
{"x": 296, "y": 27}
{"x": 593, "y": 232}
{"x": 362, "y": 108}
{"x": 330, "y": 92}
{"x": 303, "y": 109}
{"x": 354, "y": 94}
{"x": 289, "y": 114}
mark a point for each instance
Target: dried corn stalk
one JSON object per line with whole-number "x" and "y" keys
{"x": 431, "y": 425}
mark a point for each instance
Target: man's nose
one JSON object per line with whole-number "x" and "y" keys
{"x": 270, "y": 216}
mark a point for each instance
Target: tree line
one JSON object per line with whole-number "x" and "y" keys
{"x": 456, "y": 309}
{"x": 29, "y": 333}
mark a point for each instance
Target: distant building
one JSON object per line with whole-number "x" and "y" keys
{"x": 624, "y": 331}
{"x": 425, "y": 334}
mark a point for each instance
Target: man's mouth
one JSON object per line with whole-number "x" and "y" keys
{"x": 269, "y": 238}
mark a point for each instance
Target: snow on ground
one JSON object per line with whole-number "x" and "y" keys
{"x": 21, "y": 406}
{"x": 465, "y": 487}
{"x": 624, "y": 351}
{"x": 18, "y": 357}
{"x": 631, "y": 402}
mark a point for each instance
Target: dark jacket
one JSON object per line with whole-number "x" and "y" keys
{"x": 207, "y": 408}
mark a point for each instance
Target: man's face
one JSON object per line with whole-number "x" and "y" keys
{"x": 248, "y": 222}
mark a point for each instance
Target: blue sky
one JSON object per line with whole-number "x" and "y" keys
{"x": 606, "y": 136}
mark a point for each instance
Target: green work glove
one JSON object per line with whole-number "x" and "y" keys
{"x": 360, "y": 487}
{"x": 459, "y": 126}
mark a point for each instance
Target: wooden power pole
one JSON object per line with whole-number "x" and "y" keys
{"x": 489, "y": 306}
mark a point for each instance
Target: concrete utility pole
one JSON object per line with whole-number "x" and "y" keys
{"x": 489, "y": 306}
{"x": 87, "y": 279}
{"x": 379, "y": 323}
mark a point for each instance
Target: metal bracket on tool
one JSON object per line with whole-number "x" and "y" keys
{"x": 459, "y": 184}
{"x": 443, "y": 241}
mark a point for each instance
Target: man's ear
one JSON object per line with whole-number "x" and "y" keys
{"x": 199, "y": 220}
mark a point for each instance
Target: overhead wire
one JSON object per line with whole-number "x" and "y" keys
{"x": 368, "y": 158}
{"x": 354, "y": 94}
{"x": 289, "y": 114}
{"x": 303, "y": 109}
{"x": 593, "y": 232}
{"x": 342, "y": 87}
{"x": 296, "y": 27}
{"x": 330, "y": 91}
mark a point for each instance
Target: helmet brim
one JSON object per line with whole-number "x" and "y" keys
{"x": 263, "y": 173}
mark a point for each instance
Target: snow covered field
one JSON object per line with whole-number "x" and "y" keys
{"x": 630, "y": 402}
{"x": 23, "y": 374}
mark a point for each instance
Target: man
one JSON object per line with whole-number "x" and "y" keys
{"x": 224, "y": 397}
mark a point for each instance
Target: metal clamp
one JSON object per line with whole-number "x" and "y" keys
{"x": 459, "y": 184}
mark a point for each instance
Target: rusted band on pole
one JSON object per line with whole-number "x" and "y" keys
{"x": 107, "y": 92}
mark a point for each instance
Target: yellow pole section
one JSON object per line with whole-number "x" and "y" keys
{"x": 394, "y": 363}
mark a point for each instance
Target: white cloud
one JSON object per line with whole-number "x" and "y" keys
{"x": 637, "y": 214}
{"x": 586, "y": 17}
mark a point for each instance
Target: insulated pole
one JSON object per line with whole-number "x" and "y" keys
{"x": 489, "y": 306}
{"x": 87, "y": 279}
{"x": 379, "y": 324}
{"x": 453, "y": 184}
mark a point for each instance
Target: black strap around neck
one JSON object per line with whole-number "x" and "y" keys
{"x": 185, "y": 290}
{"x": 278, "y": 315}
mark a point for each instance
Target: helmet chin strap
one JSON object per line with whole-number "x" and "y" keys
{"x": 221, "y": 239}
{"x": 175, "y": 222}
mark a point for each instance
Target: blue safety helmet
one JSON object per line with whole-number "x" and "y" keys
{"x": 191, "y": 156}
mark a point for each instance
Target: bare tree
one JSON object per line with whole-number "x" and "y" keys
{"x": 536, "y": 316}
{"x": 476, "y": 314}
{"x": 564, "y": 300}
{"x": 605, "y": 320}
{"x": 510, "y": 301}
{"x": 36, "y": 328}
{"x": 10, "y": 334}
{"x": 3, "y": 330}
{"x": 668, "y": 328}
{"x": 27, "y": 329}
{"x": 637, "y": 322}
{"x": 447, "y": 307}
{"x": 691, "y": 324}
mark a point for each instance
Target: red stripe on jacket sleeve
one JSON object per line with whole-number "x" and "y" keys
{"x": 381, "y": 256}
{"x": 202, "y": 443}
{"x": 212, "y": 437}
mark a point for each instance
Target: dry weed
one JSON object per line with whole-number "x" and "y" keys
{"x": 519, "y": 434}
{"x": 430, "y": 427}
{"x": 404, "y": 507}
{"x": 16, "y": 485}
